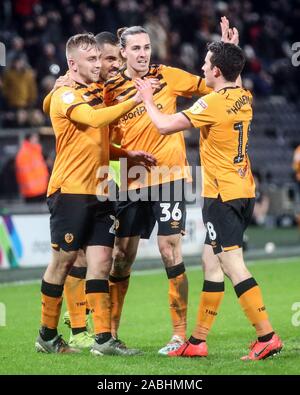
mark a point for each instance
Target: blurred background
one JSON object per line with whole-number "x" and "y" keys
{"x": 35, "y": 32}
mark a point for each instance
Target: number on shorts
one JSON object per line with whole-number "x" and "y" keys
{"x": 112, "y": 229}
{"x": 176, "y": 212}
{"x": 211, "y": 231}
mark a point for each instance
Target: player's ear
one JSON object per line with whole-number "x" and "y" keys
{"x": 217, "y": 72}
{"x": 123, "y": 53}
{"x": 72, "y": 64}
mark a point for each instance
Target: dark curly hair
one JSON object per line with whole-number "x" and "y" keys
{"x": 229, "y": 58}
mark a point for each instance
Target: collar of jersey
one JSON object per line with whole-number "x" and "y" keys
{"x": 228, "y": 87}
{"x": 122, "y": 72}
{"x": 79, "y": 85}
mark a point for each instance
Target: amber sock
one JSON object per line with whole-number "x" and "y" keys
{"x": 251, "y": 301}
{"x": 118, "y": 287}
{"x": 178, "y": 298}
{"x": 51, "y": 306}
{"x": 97, "y": 294}
{"x": 210, "y": 300}
{"x": 74, "y": 292}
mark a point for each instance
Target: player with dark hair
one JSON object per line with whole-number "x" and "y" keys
{"x": 224, "y": 117}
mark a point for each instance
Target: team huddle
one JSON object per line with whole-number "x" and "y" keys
{"x": 114, "y": 105}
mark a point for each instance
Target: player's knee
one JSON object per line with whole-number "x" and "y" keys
{"x": 206, "y": 259}
{"x": 99, "y": 271}
{"x": 232, "y": 263}
{"x": 65, "y": 260}
{"x": 123, "y": 258}
{"x": 169, "y": 250}
{"x": 120, "y": 269}
{"x": 80, "y": 259}
{"x": 229, "y": 269}
{"x": 166, "y": 252}
{"x": 209, "y": 264}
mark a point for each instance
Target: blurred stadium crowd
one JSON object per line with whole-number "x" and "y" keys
{"x": 35, "y": 33}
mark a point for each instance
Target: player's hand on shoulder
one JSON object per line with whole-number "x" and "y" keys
{"x": 64, "y": 80}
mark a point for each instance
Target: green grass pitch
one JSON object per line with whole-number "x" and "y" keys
{"x": 146, "y": 324}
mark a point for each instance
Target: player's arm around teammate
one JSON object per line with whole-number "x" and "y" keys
{"x": 78, "y": 218}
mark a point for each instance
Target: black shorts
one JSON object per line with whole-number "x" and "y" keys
{"x": 138, "y": 217}
{"x": 78, "y": 220}
{"x": 226, "y": 222}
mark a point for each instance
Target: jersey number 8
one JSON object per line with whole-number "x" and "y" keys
{"x": 211, "y": 231}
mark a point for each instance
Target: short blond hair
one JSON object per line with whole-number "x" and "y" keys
{"x": 83, "y": 41}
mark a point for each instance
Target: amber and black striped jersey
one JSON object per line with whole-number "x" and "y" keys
{"x": 139, "y": 133}
{"x": 224, "y": 119}
{"x": 80, "y": 150}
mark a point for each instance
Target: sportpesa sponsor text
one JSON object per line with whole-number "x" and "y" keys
{"x": 138, "y": 112}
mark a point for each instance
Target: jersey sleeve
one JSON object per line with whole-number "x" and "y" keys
{"x": 109, "y": 92}
{"x": 64, "y": 100}
{"x": 47, "y": 102}
{"x": 180, "y": 82}
{"x": 203, "y": 111}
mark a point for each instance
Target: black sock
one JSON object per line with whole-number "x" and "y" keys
{"x": 102, "y": 337}
{"x": 47, "y": 333}
{"x": 195, "y": 341}
{"x": 75, "y": 331}
{"x": 266, "y": 338}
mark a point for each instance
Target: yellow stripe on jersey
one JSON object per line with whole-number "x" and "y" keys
{"x": 235, "y": 247}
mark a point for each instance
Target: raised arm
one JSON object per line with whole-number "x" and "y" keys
{"x": 230, "y": 35}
